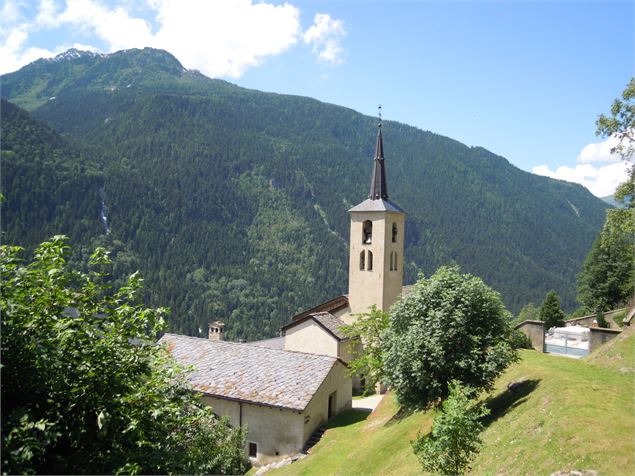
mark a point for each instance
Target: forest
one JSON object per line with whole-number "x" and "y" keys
{"x": 233, "y": 203}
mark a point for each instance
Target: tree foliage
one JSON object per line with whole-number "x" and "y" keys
{"x": 368, "y": 361}
{"x": 621, "y": 122}
{"x": 550, "y": 311}
{"x": 529, "y": 312}
{"x": 601, "y": 320}
{"x": 451, "y": 326}
{"x": 607, "y": 279}
{"x": 454, "y": 440}
{"x": 84, "y": 388}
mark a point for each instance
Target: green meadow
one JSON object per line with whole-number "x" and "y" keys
{"x": 563, "y": 414}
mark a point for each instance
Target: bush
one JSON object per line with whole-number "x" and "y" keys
{"x": 449, "y": 327}
{"x": 84, "y": 388}
{"x": 454, "y": 440}
{"x": 601, "y": 320}
{"x": 518, "y": 340}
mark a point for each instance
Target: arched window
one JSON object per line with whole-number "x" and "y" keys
{"x": 362, "y": 260}
{"x": 394, "y": 233}
{"x": 392, "y": 260}
{"x": 370, "y": 261}
{"x": 367, "y": 235}
{"x": 394, "y": 267}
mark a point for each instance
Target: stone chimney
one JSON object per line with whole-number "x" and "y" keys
{"x": 216, "y": 330}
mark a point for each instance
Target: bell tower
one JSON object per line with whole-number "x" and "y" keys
{"x": 375, "y": 272}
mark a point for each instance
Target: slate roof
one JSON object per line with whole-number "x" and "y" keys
{"x": 378, "y": 183}
{"x": 378, "y": 196}
{"x": 329, "y": 306}
{"x": 274, "y": 343}
{"x": 249, "y": 373}
{"x": 331, "y": 322}
{"x": 379, "y": 205}
{"x": 328, "y": 321}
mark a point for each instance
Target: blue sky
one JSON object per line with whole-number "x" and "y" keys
{"x": 525, "y": 80}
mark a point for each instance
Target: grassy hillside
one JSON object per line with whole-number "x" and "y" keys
{"x": 568, "y": 414}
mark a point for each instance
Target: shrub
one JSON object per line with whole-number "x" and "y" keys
{"x": 449, "y": 327}
{"x": 84, "y": 388}
{"x": 454, "y": 440}
{"x": 518, "y": 340}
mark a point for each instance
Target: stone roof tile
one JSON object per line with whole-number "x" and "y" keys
{"x": 250, "y": 373}
{"x": 332, "y": 323}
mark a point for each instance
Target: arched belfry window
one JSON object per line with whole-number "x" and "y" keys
{"x": 394, "y": 233}
{"x": 367, "y": 235}
{"x": 362, "y": 260}
{"x": 370, "y": 261}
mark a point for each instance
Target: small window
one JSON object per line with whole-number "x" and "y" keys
{"x": 394, "y": 233}
{"x": 392, "y": 260}
{"x": 367, "y": 228}
{"x": 370, "y": 261}
{"x": 394, "y": 267}
{"x": 362, "y": 261}
{"x": 253, "y": 450}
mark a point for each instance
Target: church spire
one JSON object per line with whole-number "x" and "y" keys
{"x": 378, "y": 187}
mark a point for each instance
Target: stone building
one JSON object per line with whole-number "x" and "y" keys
{"x": 284, "y": 388}
{"x": 281, "y": 396}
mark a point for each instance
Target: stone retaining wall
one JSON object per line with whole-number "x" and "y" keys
{"x": 600, "y": 336}
{"x": 535, "y": 331}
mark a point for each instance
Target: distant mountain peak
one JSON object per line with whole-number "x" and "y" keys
{"x": 74, "y": 53}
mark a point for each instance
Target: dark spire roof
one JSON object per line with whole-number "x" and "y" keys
{"x": 378, "y": 186}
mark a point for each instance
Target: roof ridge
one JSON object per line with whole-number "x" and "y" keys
{"x": 246, "y": 344}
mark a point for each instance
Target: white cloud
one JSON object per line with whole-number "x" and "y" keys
{"x": 324, "y": 36}
{"x": 602, "y": 179}
{"x": 219, "y": 37}
{"x": 13, "y": 50}
{"x": 10, "y": 12}
{"x": 113, "y": 25}
{"x": 599, "y": 152}
{"x": 47, "y": 14}
{"x": 225, "y": 37}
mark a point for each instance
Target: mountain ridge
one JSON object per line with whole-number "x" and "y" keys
{"x": 186, "y": 156}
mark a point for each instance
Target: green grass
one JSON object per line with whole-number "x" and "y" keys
{"x": 567, "y": 414}
{"x": 618, "y": 318}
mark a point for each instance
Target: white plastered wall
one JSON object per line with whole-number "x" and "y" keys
{"x": 310, "y": 337}
{"x": 316, "y": 411}
{"x": 278, "y": 432}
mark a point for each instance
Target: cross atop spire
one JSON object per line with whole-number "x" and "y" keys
{"x": 378, "y": 186}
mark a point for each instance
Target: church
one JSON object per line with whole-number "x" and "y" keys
{"x": 283, "y": 389}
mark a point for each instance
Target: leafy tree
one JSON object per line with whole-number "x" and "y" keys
{"x": 606, "y": 280}
{"x": 608, "y": 277}
{"x": 451, "y": 326}
{"x": 454, "y": 440}
{"x": 621, "y": 123}
{"x": 528, "y": 312}
{"x": 84, "y": 388}
{"x": 368, "y": 360}
{"x": 550, "y": 311}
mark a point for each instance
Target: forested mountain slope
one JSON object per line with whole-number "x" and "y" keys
{"x": 49, "y": 187}
{"x": 234, "y": 202}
